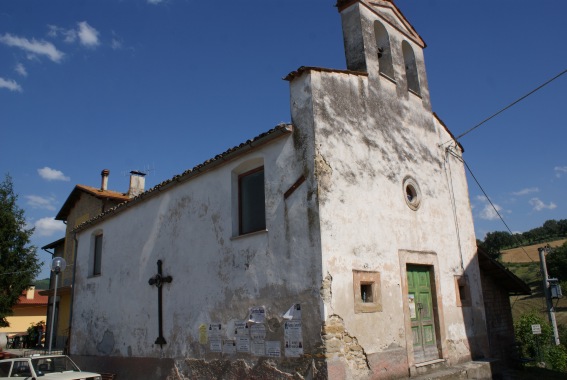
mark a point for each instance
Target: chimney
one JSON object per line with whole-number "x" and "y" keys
{"x": 104, "y": 183}
{"x": 30, "y": 294}
{"x": 137, "y": 183}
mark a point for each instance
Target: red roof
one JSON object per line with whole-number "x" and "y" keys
{"x": 37, "y": 299}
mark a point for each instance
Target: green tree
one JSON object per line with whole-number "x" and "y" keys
{"x": 19, "y": 264}
{"x": 557, "y": 264}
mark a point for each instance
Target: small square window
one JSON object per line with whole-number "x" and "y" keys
{"x": 367, "y": 293}
{"x": 251, "y": 201}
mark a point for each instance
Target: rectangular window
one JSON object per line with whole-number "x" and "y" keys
{"x": 251, "y": 201}
{"x": 97, "y": 255}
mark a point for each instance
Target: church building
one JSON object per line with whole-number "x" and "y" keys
{"x": 339, "y": 246}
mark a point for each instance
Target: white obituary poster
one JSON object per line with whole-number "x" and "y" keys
{"x": 293, "y": 338}
{"x": 257, "y": 314}
{"x": 258, "y": 331}
{"x": 243, "y": 344}
{"x": 257, "y": 348}
{"x": 273, "y": 348}
{"x": 215, "y": 344}
{"x": 241, "y": 328}
{"x": 229, "y": 346}
{"x": 294, "y": 312}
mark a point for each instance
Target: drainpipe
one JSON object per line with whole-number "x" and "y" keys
{"x": 72, "y": 290}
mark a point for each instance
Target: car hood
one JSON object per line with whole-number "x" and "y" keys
{"x": 69, "y": 375}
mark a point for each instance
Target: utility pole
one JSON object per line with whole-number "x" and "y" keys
{"x": 547, "y": 294}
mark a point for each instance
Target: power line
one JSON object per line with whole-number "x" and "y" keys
{"x": 495, "y": 209}
{"x": 508, "y": 106}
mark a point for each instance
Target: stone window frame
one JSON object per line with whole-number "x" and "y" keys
{"x": 360, "y": 279}
{"x": 462, "y": 291}
{"x": 411, "y": 193}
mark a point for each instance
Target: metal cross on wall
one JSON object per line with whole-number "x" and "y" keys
{"x": 158, "y": 281}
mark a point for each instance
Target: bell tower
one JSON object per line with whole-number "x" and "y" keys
{"x": 380, "y": 41}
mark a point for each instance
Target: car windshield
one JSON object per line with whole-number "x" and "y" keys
{"x": 50, "y": 364}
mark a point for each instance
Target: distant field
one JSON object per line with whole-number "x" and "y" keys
{"x": 527, "y": 267}
{"x": 527, "y": 254}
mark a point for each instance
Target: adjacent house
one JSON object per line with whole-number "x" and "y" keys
{"x": 84, "y": 202}
{"x": 340, "y": 245}
{"x": 30, "y": 309}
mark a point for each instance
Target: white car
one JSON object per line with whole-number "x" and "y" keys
{"x": 57, "y": 367}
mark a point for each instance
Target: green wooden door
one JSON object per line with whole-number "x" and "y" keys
{"x": 422, "y": 314}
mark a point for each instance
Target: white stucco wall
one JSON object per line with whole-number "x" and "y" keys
{"x": 217, "y": 275}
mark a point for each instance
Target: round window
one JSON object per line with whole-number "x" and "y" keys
{"x": 412, "y": 194}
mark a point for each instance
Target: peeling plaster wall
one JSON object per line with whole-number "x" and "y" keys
{"x": 370, "y": 134}
{"x": 217, "y": 275}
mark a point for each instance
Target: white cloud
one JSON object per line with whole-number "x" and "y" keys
{"x": 52, "y": 174}
{"x": 88, "y": 36}
{"x": 155, "y": 1}
{"x": 538, "y": 205}
{"x": 49, "y": 227}
{"x": 489, "y": 213}
{"x": 526, "y": 191}
{"x": 42, "y": 48}
{"x": 37, "y": 201}
{"x": 116, "y": 44}
{"x": 20, "y": 69}
{"x": 560, "y": 170}
{"x": 10, "y": 84}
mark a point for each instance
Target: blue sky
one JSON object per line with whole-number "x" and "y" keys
{"x": 164, "y": 85}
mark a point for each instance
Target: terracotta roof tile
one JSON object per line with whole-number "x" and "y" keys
{"x": 219, "y": 159}
{"x": 37, "y": 300}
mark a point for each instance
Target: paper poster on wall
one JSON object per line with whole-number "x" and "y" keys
{"x": 273, "y": 348}
{"x": 257, "y": 348}
{"x": 242, "y": 344}
{"x": 215, "y": 344}
{"x": 241, "y": 328}
{"x": 215, "y": 329}
{"x": 293, "y": 338}
{"x": 258, "y": 331}
{"x": 228, "y": 346}
{"x": 294, "y": 312}
{"x": 411, "y": 303}
{"x": 257, "y": 314}
{"x": 203, "y": 337}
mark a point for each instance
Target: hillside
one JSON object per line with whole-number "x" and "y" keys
{"x": 524, "y": 263}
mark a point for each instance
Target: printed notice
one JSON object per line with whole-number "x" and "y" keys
{"x": 258, "y": 331}
{"x": 229, "y": 346}
{"x": 411, "y": 303}
{"x": 294, "y": 312}
{"x": 257, "y": 348}
{"x": 241, "y": 328}
{"x": 242, "y": 344}
{"x": 215, "y": 329}
{"x": 293, "y": 337}
{"x": 215, "y": 344}
{"x": 257, "y": 314}
{"x": 273, "y": 348}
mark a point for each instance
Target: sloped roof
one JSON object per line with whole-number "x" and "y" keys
{"x": 512, "y": 283}
{"x": 373, "y": 4}
{"x": 38, "y": 299}
{"x": 76, "y": 194}
{"x": 219, "y": 159}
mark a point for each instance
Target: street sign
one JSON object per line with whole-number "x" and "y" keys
{"x": 536, "y": 329}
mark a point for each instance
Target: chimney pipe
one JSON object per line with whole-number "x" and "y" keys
{"x": 137, "y": 183}
{"x": 104, "y": 184}
{"x": 30, "y": 293}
